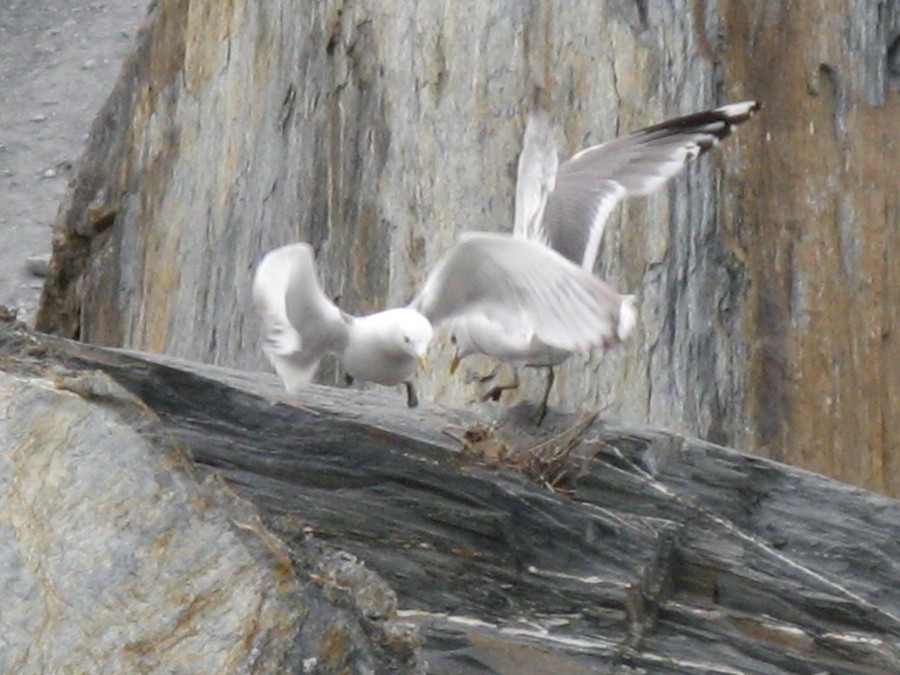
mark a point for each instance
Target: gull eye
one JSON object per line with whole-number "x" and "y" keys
{"x": 453, "y": 340}
{"x": 406, "y": 339}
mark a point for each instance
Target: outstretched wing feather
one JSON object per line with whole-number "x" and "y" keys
{"x": 300, "y": 324}
{"x": 515, "y": 280}
{"x": 590, "y": 184}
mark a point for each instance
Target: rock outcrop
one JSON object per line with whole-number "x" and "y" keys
{"x": 767, "y": 276}
{"x": 117, "y": 557}
{"x": 595, "y": 547}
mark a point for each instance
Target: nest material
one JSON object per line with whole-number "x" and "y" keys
{"x": 546, "y": 463}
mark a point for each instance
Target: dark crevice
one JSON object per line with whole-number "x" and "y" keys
{"x": 893, "y": 63}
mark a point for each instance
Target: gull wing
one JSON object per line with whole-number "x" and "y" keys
{"x": 590, "y": 184}
{"x": 535, "y": 177}
{"x": 528, "y": 287}
{"x": 300, "y": 324}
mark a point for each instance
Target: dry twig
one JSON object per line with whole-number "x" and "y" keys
{"x": 546, "y": 463}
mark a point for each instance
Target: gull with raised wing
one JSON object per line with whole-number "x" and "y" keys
{"x": 301, "y": 326}
{"x": 565, "y": 207}
{"x": 517, "y": 296}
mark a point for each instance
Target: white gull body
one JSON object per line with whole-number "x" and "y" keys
{"x": 301, "y": 326}
{"x": 565, "y": 208}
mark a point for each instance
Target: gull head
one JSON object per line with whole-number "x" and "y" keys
{"x": 386, "y": 347}
{"x": 413, "y": 333}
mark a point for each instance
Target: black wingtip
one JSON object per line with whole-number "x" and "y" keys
{"x": 735, "y": 113}
{"x": 718, "y": 123}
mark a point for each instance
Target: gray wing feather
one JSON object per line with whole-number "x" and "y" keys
{"x": 523, "y": 285}
{"x": 535, "y": 177}
{"x": 591, "y": 183}
{"x": 300, "y": 324}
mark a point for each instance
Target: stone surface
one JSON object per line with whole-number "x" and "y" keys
{"x": 817, "y": 230}
{"x": 655, "y": 553}
{"x": 38, "y": 265}
{"x": 114, "y": 559}
{"x": 767, "y": 275}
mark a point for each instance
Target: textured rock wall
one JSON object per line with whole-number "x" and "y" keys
{"x": 816, "y": 226}
{"x": 378, "y": 132}
{"x": 114, "y": 559}
{"x": 114, "y": 562}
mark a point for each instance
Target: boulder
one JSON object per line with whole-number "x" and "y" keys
{"x": 587, "y": 546}
{"x": 119, "y": 556}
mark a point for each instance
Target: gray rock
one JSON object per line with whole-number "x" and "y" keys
{"x": 117, "y": 557}
{"x": 38, "y": 265}
{"x": 652, "y": 553}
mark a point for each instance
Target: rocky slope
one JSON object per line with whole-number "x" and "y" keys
{"x": 590, "y": 547}
{"x": 59, "y": 60}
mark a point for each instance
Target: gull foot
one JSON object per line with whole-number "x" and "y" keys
{"x": 484, "y": 379}
{"x": 494, "y": 393}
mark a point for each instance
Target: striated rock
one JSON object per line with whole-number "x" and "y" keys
{"x": 815, "y": 228}
{"x": 119, "y": 562}
{"x": 377, "y": 132}
{"x": 652, "y": 553}
{"x": 116, "y": 560}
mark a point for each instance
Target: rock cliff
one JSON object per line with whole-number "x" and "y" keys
{"x": 768, "y": 277}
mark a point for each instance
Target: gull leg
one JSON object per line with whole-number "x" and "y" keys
{"x": 542, "y": 408}
{"x": 411, "y": 399}
{"x": 494, "y": 392}
{"x": 484, "y": 379}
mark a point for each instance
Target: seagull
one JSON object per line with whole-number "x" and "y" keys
{"x": 301, "y": 326}
{"x": 541, "y": 297}
{"x": 564, "y": 207}
{"x": 510, "y": 296}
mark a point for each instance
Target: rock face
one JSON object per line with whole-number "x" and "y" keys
{"x": 114, "y": 559}
{"x": 653, "y": 553}
{"x": 379, "y": 132}
{"x": 816, "y": 231}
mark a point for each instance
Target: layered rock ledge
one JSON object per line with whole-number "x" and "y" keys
{"x": 159, "y": 512}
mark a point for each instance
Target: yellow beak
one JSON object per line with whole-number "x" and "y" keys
{"x": 423, "y": 361}
{"x": 454, "y": 363}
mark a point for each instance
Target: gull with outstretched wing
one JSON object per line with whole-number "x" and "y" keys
{"x": 301, "y": 325}
{"x": 565, "y": 206}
